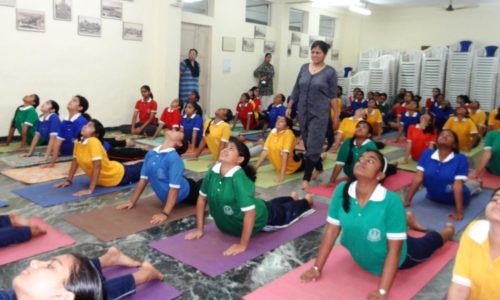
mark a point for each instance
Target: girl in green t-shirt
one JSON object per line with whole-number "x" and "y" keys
{"x": 229, "y": 189}
{"x": 374, "y": 225}
{"x": 25, "y": 119}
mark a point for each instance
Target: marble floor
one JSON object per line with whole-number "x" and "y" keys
{"x": 193, "y": 284}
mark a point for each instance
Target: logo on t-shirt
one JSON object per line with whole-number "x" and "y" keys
{"x": 228, "y": 210}
{"x": 374, "y": 235}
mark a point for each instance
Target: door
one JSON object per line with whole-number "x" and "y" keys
{"x": 199, "y": 37}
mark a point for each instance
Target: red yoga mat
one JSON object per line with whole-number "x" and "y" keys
{"x": 488, "y": 180}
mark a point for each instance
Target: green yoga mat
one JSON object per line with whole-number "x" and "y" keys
{"x": 389, "y": 149}
{"x": 9, "y": 148}
{"x": 474, "y": 151}
{"x": 410, "y": 166}
{"x": 237, "y": 131}
{"x": 203, "y": 163}
{"x": 151, "y": 142}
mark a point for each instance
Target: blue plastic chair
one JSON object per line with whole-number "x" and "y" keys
{"x": 347, "y": 70}
{"x": 490, "y": 51}
{"x": 465, "y": 45}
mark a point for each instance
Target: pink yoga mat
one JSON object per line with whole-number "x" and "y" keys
{"x": 205, "y": 254}
{"x": 342, "y": 278}
{"x": 489, "y": 180}
{"x": 394, "y": 183}
{"x": 402, "y": 142}
{"x": 52, "y": 240}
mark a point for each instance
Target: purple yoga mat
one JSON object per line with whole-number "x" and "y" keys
{"x": 205, "y": 254}
{"x": 149, "y": 291}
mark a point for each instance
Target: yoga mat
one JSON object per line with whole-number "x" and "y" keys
{"x": 9, "y": 148}
{"x": 108, "y": 223}
{"x": 34, "y": 175}
{"x": 394, "y": 183}
{"x": 342, "y": 278}
{"x": 3, "y": 204}
{"x": 402, "y": 142}
{"x": 410, "y": 166}
{"x": 488, "y": 180}
{"x": 121, "y": 135}
{"x": 389, "y": 149}
{"x": 434, "y": 215}
{"x": 46, "y": 195}
{"x": 254, "y": 137}
{"x": 52, "y": 240}
{"x": 474, "y": 151}
{"x": 15, "y": 161}
{"x": 151, "y": 142}
{"x": 238, "y": 131}
{"x": 203, "y": 163}
{"x": 205, "y": 254}
{"x": 149, "y": 291}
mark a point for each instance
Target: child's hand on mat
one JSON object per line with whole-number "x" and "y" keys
{"x": 375, "y": 295}
{"x": 125, "y": 206}
{"x": 63, "y": 184}
{"x": 310, "y": 275}
{"x": 234, "y": 249}
{"x": 456, "y": 216}
{"x": 135, "y": 131}
{"x": 278, "y": 179}
{"x": 82, "y": 193}
{"x": 194, "y": 158}
{"x": 25, "y": 155}
{"x": 194, "y": 235}
{"x": 47, "y": 166}
{"x": 157, "y": 219}
{"x": 404, "y": 161}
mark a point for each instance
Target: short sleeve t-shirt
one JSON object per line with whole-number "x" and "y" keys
{"x": 145, "y": 108}
{"x": 492, "y": 121}
{"x": 279, "y": 143}
{"x": 229, "y": 197}
{"x": 479, "y": 117}
{"x": 90, "y": 150}
{"x": 463, "y": 128}
{"x": 408, "y": 119}
{"x": 374, "y": 118}
{"x": 439, "y": 176}
{"x": 190, "y": 124}
{"x": 384, "y": 107}
{"x": 348, "y": 127}
{"x": 164, "y": 169}
{"x": 492, "y": 142}
{"x": 419, "y": 140}
{"x": 356, "y": 104}
{"x": 171, "y": 118}
{"x": 366, "y": 230}
{"x": 245, "y": 111}
{"x": 26, "y": 115}
{"x": 68, "y": 132}
{"x": 474, "y": 267}
{"x": 357, "y": 151}
{"x": 219, "y": 132}
{"x": 274, "y": 112}
{"x": 48, "y": 126}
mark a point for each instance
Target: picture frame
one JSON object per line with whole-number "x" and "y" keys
{"x": 111, "y": 9}
{"x": 89, "y": 26}
{"x": 269, "y": 46}
{"x": 11, "y": 3}
{"x": 260, "y": 32}
{"x": 304, "y": 52}
{"x": 296, "y": 38}
{"x": 248, "y": 45}
{"x": 132, "y": 31}
{"x": 63, "y": 10}
{"x": 228, "y": 44}
{"x": 30, "y": 20}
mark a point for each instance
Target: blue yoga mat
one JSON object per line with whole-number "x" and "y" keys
{"x": 434, "y": 215}
{"x": 3, "y": 204}
{"x": 46, "y": 195}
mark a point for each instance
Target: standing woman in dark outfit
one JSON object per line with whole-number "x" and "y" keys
{"x": 265, "y": 73}
{"x": 316, "y": 91}
{"x": 189, "y": 76}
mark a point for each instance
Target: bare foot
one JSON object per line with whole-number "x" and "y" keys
{"x": 448, "y": 232}
{"x": 114, "y": 257}
{"x": 310, "y": 199}
{"x": 315, "y": 174}
{"x": 37, "y": 231}
{"x": 147, "y": 272}
{"x": 17, "y": 221}
{"x": 413, "y": 224}
{"x": 129, "y": 143}
{"x": 305, "y": 184}
{"x": 294, "y": 195}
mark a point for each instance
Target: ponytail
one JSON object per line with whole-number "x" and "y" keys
{"x": 346, "y": 204}
{"x": 245, "y": 153}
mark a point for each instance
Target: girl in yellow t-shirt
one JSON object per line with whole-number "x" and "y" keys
{"x": 374, "y": 117}
{"x": 89, "y": 154}
{"x": 494, "y": 119}
{"x": 216, "y": 133}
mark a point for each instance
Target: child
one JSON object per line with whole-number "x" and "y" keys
{"x": 273, "y": 112}
{"x": 216, "y": 133}
{"x": 478, "y": 116}
{"x": 245, "y": 113}
{"x": 164, "y": 169}
{"x": 229, "y": 189}
{"x": 374, "y": 117}
{"x": 47, "y": 129}
{"x": 25, "y": 120}
{"x": 191, "y": 125}
{"x": 494, "y": 119}
{"x": 442, "y": 112}
{"x": 410, "y": 117}
{"x": 279, "y": 149}
{"x": 89, "y": 154}
{"x": 171, "y": 118}
{"x": 143, "y": 120}
{"x": 15, "y": 230}
{"x": 194, "y": 97}
{"x": 70, "y": 128}
{"x": 463, "y": 101}
{"x": 464, "y": 127}
{"x": 359, "y": 101}
{"x": 348, "y": 127}
{"x": 420, "y": 137}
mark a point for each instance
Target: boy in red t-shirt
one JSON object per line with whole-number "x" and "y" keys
{"x": 170, "y": 118}
{"x": 245, "y": 113}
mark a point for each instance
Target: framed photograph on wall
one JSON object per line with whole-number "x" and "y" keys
{"x": 62, "y": 10}
{"x": 11, "y": 3}
{"x": 228, "y": 44}
{"x": 269, "y": 46}
{"x": 296, "y": 38}
{"x": 89, "y": 26}
{"x": 30, "y": 20}
{"x": 132, "y": 31}
{"x": 260, "y": 32}
{"x": 248, "y": 45}
{"x": 111, "y": 9}
{"x": 304, "y": 52}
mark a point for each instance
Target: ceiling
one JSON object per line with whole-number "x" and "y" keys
{"x": 396, "y": 3}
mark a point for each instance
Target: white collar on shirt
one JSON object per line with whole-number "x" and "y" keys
{"x": 23, "y": 108}
{"x": 435, "y": 156}
{"x": 457, "y": 120}
{"x": 166, "y": 150}
{"x": 74, "y": 117}
{"x": 479, "y": 231}
{"x": 230, "y": 173}
{"x": 192, "y": 116}
{"x": 148, "y": 100}
{"x": 408, "y": 114}
{"x": 279, "y": 105}
{"x": 218, "y": 123}
{"x": 83, "y": 142}
{"x": 364, "y": 143}
{"x": 42, "y": 119}
{"x": 378, "y": 194}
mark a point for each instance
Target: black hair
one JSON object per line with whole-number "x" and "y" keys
{"x": 196, "y": 94}
{"x": 229, "y": 118}
{"x": 268, "y": 54}
{"x": 361, "y": 92}
{"x": 83, "y": 103}
{"x": 182, "y": 148}
{"x": 341, "y": 90}
{"x": 414, "y": 100}
{"x": 283, "y": 98}
{"x": 383, "y": 95}
{"x": 99, "y": 129}
{"x": 36, "y": 100}
{"x": 247, "y": 95}
{"x": 497, "y": 117}
{"x": 438, "y": 90}
{"x": 289, "y": 122}
{"x": 430, "y": 129}
{"x": 465, "y": 98}
{"x": 193, "y": 49}
{"x": 353, "y": 139}
{"x": 196, "y": 107}
{"x": 84, "y": 280}
{"x": 411, "y": 93}
{"x": 345, "y": 191}
{"x": 147, "y": 88}
{"x": 54, "y": 105}
{"x": 87, "y": 117}
{"x": 456, "y": 148}
{"x": 245, "y": 153}
{"x": 321, "y": 45}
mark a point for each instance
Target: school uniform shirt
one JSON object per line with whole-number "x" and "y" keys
{"x": 348, "y": 127}
{"x": 339, "y": 105}
{"x": 356, "y": 153}
{"x": 492, "y": 121}
{"x": 366, "y": 230}
{"x": 374, "y": 118}
{"x": 474, "y": 267}
{"x": 383, "y": 107}
{"x": 164, "y": 170}
{"x": 279, "y": 143}
{"x": 90, "y": 150}
{"x": 7, "y": 295}
{"x": 463, "y": 128}
{"x": 171, "y": 118}
{"x": 219, "y": 132}
{"x": 408, "y": 119}
{"x": 356, "y": 104}
{"x": 48, "y": 126}
{"x": 274, "y": 112}
{"x": 492, "y": 142}
{"x": 145, "y": 108}
{"x": 399, "y": 110}
{"x": 68, "y": 132}
{"x": 439, "y": 176}
{"x": 479, "y": 117}
{"x": 245, "y": 111}
{"x": 26, "y": 115}
{"x": 190, "y": 124}
{"x": 419, "y": 140}
{"x": 442, "y": 115}
{"x": 229, "y": 197}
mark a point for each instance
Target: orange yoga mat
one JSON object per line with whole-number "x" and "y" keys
{"x": 33, "y": 175}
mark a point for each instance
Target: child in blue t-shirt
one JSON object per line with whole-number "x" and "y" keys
{"x": 410, "y": 117}
{"x": 163, "y": 168}
{"x": 273, "y": 111}
{"x": 192, "y": 125}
